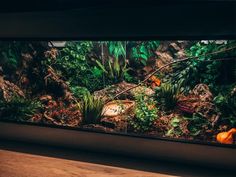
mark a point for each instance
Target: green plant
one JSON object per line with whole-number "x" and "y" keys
{"x": 142, "y": 51}
{"x": 226, "y": 105}
{"x": 115, "y": 67}
{"x": 19, "y": 108}
{"x": 167, "y": 95}
{"x": 145, "y": 114}
{"x": 197, "y": 124}
{"x": 115, "y": 71}
{"x": 116, "y": 48}
{"x": 78, "y": 91}
{"x": 175, "y": 129}
{"x": 200, "y": 70}
{"x": 75, "y": 65}
{"x": 11, "y": 55}
{"x": 91, "y": 109}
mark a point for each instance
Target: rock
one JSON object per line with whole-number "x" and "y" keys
{"x": 233, "y": 92}
{"x": 175, "y": 46}
{"x": 116, "y": 114}
{"x": 169, "y": 51}
{"x": 118, "y": 107}
{"x": 180, "y": 54}
{"x": 203, "y": 91}
{"x": 142, "y": 90}
{"x": 109, "y": 92}
{"x": 200, "y": 100}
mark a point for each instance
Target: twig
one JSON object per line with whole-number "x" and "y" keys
{"x": 176, "y": 61}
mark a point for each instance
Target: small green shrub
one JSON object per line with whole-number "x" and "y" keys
{"x": 19, "y": 108}
{"x": 91, "y": 109}
{"x": 145, "y": 114}
{"x": 79, "y": 92}
{"x": 197, "y": 124}
{"x": 175, "y": 130}
{"x": 167, "y": 95}
{"x": 142, "y": 51}
{"x": 226, "y": 105}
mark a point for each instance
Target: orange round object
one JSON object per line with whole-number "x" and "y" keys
{"x": 226, "y": 137}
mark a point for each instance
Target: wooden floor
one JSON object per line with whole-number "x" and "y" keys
{"x": 15, "y": 164}
{"x": 30, "y": 160}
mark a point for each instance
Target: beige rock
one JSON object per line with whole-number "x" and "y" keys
{"x": 110, "y": 92}
{"x": 118, "y": 107}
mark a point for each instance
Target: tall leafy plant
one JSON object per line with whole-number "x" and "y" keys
{"x": 142, "y": 51}
{"x": 117, "y": 48}
{"x": 115, "y": 68}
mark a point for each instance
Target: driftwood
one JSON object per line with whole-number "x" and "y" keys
{"x": 9, "y": 89}
{"x": 177, "y": 61}
{"x": 52, "y": 75}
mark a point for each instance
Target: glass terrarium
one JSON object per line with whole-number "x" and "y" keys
{"x": 182, "y": 90}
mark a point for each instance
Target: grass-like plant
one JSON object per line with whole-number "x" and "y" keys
{"x": 167, "y": 95}
{"x": 91, "y": 109}
{"x": 19, "y": 108}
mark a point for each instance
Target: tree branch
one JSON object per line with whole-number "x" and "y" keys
{"x": 176, "y": 61}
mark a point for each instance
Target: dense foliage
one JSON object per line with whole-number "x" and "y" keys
{"x": 145, "y": 113}
{"x": 226, "y": 104}
{"x": 142, "y": 51}
{"x": 76, "y": 66}
{"x": 200, "y": 70}
{"x": 19, "y": 108}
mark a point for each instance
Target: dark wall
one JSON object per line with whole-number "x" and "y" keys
{"x": 118, "y": 19}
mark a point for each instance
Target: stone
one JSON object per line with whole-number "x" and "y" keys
{"x": 199, "y": 100}
{"x": 109, "y": 92}
{"x": 118, "y": 107}
{"x": 203, "y": 91}
{"x": 116, "y": 114}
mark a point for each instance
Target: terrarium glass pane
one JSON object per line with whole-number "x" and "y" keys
{"x": 164, "y": 89}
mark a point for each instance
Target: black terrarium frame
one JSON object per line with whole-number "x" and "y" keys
{"x": 215, "y": 27}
